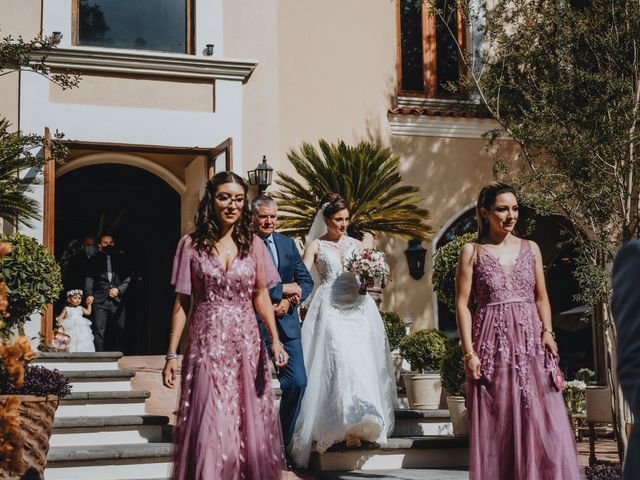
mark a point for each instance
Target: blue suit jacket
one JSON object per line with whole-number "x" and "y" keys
{"x": 291, "y": 269}
{"x": 625, "y": 305}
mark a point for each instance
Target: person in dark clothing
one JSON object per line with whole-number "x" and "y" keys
{"x": 625, "y": 305}
{"x": 106, "y": 284}
{"x": 77, "y": 268}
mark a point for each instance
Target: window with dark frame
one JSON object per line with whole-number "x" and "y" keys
{"x": 428, "y": 58}
{"x": 159, "y": 25}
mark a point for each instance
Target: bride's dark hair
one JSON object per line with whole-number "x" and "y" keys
{"x": 207, "y": 231}
{"x": 334, "y": 204}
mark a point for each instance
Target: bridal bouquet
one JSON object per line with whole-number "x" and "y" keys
{"x": 368, "y": 265}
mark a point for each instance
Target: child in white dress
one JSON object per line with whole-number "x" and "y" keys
{"x": 75, "y": 324}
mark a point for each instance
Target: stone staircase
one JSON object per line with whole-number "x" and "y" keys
{"x": 102, "y": 431}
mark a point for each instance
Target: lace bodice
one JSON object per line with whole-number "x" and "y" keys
{"x": 495, "y": 283}
{"x": 332, "y": 255}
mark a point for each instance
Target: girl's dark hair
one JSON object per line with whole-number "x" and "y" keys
{"x": 486, "y": 199}
{"x": 207, "y": 231}
{"x": 335, "y": 203}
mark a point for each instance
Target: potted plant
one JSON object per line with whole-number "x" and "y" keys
{"x": 33, "y": 281}
{"x": 453, "y": 381}
{"x": 574, "y": 396}
{"x": 29, "y": 397}
{"x": 445, "y": 261}
{"x": 395, "y": 329}
{"x": 424, "y": 350}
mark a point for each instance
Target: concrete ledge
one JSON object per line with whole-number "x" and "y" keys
{"x": 399, "y": 453}
{"x": 112, "y": 421}
{"x": 93, "y": 374}
{"x": 421, "y": 414}
{"x": 108, "y": 452}
{"x": 79, "y": 356}
{"x": 110, "y": 396}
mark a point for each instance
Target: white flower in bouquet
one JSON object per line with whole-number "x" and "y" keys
{"x": 368, "y": 264}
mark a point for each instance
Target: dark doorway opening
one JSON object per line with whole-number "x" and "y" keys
{"x": 143, "y": 213}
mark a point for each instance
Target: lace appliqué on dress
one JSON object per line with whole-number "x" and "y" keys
{"x": 515, "y": 339}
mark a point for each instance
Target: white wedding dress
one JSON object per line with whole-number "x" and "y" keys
{"x": 350, "y": 386}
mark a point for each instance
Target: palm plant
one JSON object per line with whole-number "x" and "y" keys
{"x": 366, "y": 176}
{"x": 20, "y": 171}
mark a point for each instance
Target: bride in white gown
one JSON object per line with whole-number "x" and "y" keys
{"x": 351, "y": 392}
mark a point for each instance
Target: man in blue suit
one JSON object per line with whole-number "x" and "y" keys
{"x": 295, "y": 288}
{"x": 625, "y": 305}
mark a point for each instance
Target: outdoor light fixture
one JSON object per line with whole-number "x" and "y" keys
{"x": 261, "y": 176}
{"x": 415, "y": 258}
{"x": 56, "y": 37}
{"x": 209, "y": 50}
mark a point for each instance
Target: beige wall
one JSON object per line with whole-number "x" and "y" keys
{"x": 20, "y": 18}
{"x": 337, "y": 69}
{"x": 10, "y": 98}
{"x": 17, "y": 18}
{"x": 251, "y": 31}
{"x": 117, "y": 90}
{"x": 336, "y": 79}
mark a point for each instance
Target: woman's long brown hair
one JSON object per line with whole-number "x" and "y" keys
{"x": 208, "y": 227}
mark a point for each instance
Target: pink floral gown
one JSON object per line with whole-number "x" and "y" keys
{"x": 518, "y": 424}
{"x": 227, "y": 425}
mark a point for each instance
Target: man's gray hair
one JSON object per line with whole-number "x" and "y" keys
{"x": 261, "y": 201}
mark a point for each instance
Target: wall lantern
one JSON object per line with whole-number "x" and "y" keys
{"x": 209, "y": 50}
{"x": 56, "y": 38}
{"x": 415, "y": 258}
{"x": 261, "y": 176}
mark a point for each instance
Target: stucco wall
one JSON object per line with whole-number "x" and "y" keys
{"x": 118, "y": 90}
{"x": 20, "y": 18}
{"x": 336, "y": 77}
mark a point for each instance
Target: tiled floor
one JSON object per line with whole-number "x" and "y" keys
{"x": 163, "y": 402}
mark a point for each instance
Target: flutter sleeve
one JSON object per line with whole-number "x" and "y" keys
{"x": 181, "y": 276}
{"x": 266, "y": 272}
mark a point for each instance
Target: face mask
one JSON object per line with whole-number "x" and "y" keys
{"x": 90, "y": 250}
{"x": 108, "y": 250}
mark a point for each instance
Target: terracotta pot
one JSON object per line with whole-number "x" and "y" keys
{"x": 459, "y": 416}
{"x": 36, "y": 423}
{"x": 423, "y": 390}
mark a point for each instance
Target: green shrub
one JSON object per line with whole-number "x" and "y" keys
{"x": 394, "y": 326}
{"x": 452, "y": 370}
{"x": 424, "y": 349}
{"x": 33, "y": 279}
{"x": 445, "y": 261}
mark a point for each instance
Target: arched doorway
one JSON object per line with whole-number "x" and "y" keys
{"x": 143, "y": 213}
{"x": 574, "y": 331}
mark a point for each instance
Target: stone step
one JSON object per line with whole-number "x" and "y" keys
{"x": 109, "y": 462}
{"x": 399, "y": 453}
{"x": 414, "y": 423}
{"x": 65, "y": 361}
{"x": 404, "y": 474}
{"x": 113, "y": 430}
{"x": 94, "y": 404}
{"x": 99, "y": 380}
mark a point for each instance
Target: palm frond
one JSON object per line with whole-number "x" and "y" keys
{"x": 366, "y": 176}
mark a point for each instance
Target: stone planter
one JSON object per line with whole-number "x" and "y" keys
{"x": 36, "y": 423}
{"x": 459, "y": 416}
{"x": 423, "y": 390}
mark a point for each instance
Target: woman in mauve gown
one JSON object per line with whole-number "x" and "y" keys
{"x": 518, "y": 425}
{"x": 227, "y": 425}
